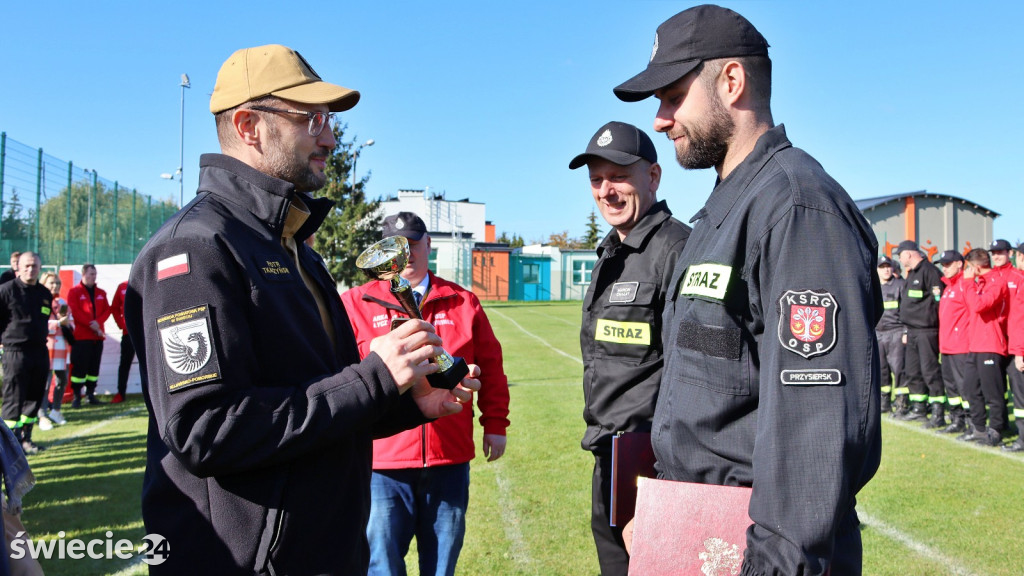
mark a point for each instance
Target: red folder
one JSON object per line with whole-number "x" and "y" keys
{"x": 632, "y": 457}
{"x": 689, "y": 529}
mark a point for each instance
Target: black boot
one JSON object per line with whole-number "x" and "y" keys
{"x": 27, "y": 444}
{"x": 957, "y": 421}
{"x": 918, "y": 411}
{"x": 886, "y": 405}
{"x": 1018, "y": 444}
{"x": 900, "y": 406}
{"x": 937, "y": 418}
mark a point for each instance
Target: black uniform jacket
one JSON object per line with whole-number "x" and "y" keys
{"x": 891, "y": 295}
{"x": 621, "y": 332}
{"x": 771, "y": 374}
{"x": 24, "y": 313}
{"x": 260, "y": 429}
{"x": 919, "y": 300}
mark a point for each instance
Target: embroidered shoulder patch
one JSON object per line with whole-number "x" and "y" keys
{"x": 807, "y": 322}
{"x": 190, "y": 357}
{"x": 174, "y": 266}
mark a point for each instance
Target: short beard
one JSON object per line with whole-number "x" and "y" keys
{"x": 709, "y": 139}
{"x": 278, "y": 163}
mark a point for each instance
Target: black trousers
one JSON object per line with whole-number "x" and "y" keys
{"x": 891, "y": 354}
{"x": 26, "y": 369}
{"x": 611, "y": 550}
{"x": 1017, "y": 388}
{"x": 85, "y": 365}
{"x": 127, "y": 355}
{"x": 985, "y": 386}
{"x": 924, "y": 377}
{"x": 953, "y": 368}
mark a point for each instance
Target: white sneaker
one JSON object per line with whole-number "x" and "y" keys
{"x": 45, "y": 423}
{"x": 57, "y": 418}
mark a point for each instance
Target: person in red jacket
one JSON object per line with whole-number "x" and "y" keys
{"x": 420, "y": 483}
{"x": 89, "y": 309}
{"x": 987, "y": 300}
{"x": 954, "y": 323}
{"x": 1014, "y": 278}
{"x": 127, "y": 350}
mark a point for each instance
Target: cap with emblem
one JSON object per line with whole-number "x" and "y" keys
{"x": 404, "y": 224}
{"x": 908, "y": 245}
{"x": 685, "y": 40}
{"x": 884, "y": 261}
{"x": 275, "y": 70}
{"x": 950, "y": 256}
{"x": 1000, "y": 245}
{"x": 618, "y": 143}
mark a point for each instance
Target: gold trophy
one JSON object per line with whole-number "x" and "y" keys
{"x": 385, "y": 260}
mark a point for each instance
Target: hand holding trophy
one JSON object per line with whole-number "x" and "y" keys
{"x": 385, "y": 261}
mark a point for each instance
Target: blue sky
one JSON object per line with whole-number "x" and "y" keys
{"x": 490, "y": 101}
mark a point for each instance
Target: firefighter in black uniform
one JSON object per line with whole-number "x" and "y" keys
{"x": 621, "y": 332}
{"x": 24, "y": 322}
{"x": 261, "y": 415}
{"x": 890, "y": 332}
{"x": 770, "y": 326}
{"x": 919, "y": 311}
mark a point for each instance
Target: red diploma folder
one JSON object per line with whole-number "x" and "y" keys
{"x": 689, "y": 529}
{"x": 632, "y": 457}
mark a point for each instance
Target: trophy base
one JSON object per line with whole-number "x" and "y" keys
{"x": 451, "y": 377}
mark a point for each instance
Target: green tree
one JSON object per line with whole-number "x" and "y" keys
{"x": 593, "y": 235}
{"x": 354, "y": 222}
{"x": 564, "y": 242}
{"x": 14, "y": 224}
{"x": 515, "y": 241}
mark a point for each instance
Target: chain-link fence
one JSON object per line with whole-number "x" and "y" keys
{"x": 67, "y": 214}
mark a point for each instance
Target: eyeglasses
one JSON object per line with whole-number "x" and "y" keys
{"x": 317, "y": 120}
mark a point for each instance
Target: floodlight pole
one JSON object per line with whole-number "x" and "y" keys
{"x": 181, "y": 152}
{"x": 355, "y": 158}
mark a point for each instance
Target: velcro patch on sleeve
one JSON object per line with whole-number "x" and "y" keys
{"x": 623, "y": 332}
{"x": 190, "y": 356}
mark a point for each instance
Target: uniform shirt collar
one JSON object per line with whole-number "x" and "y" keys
{"x": 268, "y": 198}
{"x": 728, "y": 192}
{"x": 647, "y": 226}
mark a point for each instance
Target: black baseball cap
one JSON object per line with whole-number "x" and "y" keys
{"x": 885, "y": 261}
{"x": 405, "y": 224}
{"x": 950, "y": 256}
{"x": 618, "y": 143}
{"x": 908, "y": 245}
{"x": 1020, "y": 247}
{"x": 1000, "y": 245}
{"x": 685, "y": 40}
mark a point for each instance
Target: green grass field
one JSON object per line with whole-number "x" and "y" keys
{"x": 936, "y": 506}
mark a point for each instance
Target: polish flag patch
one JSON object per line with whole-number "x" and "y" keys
{"x": 170, "y": 267}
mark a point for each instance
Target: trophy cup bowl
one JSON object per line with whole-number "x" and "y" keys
{"x": 385, "y": 260}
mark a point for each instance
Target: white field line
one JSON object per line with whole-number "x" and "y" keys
{"x": 510, "y": 522}
{"x": 952, "y": 566}
{"x": 97, "y": 426}
{"x": 537, "y": 338}
{"x": 913, "y": 426}
{"x": 563, "y": 320}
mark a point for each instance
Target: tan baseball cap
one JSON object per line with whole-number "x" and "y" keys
{"x": 275, "y": 70}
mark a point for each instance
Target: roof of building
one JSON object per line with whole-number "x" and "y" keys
{"x": 869, "y": 203}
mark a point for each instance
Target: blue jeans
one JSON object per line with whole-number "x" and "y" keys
{"x": 429, "y": 503}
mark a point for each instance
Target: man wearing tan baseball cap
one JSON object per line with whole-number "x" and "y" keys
{"x": 261, "y": 413}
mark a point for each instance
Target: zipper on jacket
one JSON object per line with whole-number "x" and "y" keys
{"x": 423, "y": 444}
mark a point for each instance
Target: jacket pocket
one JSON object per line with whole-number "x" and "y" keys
{"x": 715, "y": 354}
{"x": 627, "y": 326}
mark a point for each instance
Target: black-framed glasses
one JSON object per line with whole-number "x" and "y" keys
{"x": 317, "y": 120}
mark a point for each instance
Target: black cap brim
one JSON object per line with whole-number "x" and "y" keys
{"x": 613, "y": 156}
{"x": 654, "y": 78}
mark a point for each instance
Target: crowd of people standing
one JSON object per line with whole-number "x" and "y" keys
{"x": 951, "y": 341}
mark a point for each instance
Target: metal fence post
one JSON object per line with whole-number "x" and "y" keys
{"x": 39, "y": 193}
{"x": 134, "y": 194}
{"x": 67, "y": 219}
{"x": 3, "y": 159}
{"x": 92, "y": 216}
{"x": 113, "y": 246}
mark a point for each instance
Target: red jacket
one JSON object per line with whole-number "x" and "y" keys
{"x": 462, "y": 325}
{"x": 83, "y": 313}
{"x": 988, "y": 300}
{"x": 117, "y": 307}
{"x": 954, "y": 318}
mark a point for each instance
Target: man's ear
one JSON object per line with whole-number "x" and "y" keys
{"x": 248, "y": 127}
{"x": 731, "y": 83}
